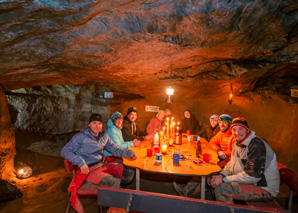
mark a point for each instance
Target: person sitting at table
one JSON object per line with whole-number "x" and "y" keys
{"x": 168, "y": 114}
{"x": 214, "y": 127}
{"x": 222, "y": 143}
{"x": 115, "y": 125}
{"x": 191, "y": 123}
{"x": 252, "y": 174}
{"x": 155, "y": 123}
{"x": 130, "y": 130}
{"x": 85, "y": 150}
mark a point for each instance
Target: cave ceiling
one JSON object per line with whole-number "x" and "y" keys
{"x": 131, "y": 45}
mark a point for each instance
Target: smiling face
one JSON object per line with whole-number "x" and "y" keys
{"x": 119, "y": 123}
{"x": 132, "y": 116}
{"x": 239, "y": 133}
{"x": 224, "y": 126}
{"x": 96, "y": 127}
{"x": 187, "y": 114}
{"x": 213, "y": 122}
{"x": 161, "y": 115}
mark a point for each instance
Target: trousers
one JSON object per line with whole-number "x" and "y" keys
{"x": 227, "y": 192}
{"x": 112, "y": 181}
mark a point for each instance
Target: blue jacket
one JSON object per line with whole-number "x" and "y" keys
{"x": 116, "y": 135}
{"x": 85, "y": 148}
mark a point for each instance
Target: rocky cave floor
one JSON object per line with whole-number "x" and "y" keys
{"x": 46, "y": 190}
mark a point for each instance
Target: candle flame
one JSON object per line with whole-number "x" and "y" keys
{"x": 21, "y": 171}
{"x": 231, "y": 96}
{"x": 167, "y": 119}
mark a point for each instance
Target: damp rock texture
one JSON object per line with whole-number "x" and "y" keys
{"x": 52, "y": 51}
{"x": 8, "y": 191}
{"x": 129, "y": 43}
{"x": 7, "y": 138}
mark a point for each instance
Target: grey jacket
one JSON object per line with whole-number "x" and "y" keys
{"x": 253, "y": 162}
{"x": 85, "y": 148}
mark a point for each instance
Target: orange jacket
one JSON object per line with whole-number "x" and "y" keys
{"x": 223, "y": 141}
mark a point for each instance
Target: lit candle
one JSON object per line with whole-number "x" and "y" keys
{"x": 178, "y": 123}
{"x": 170, "y": 142}
{"x": 231, "y": 97}
{"x": 171, "y": 126}
{"x": 161, "y": 135}
{"x": 164, "y": 149}
{"x": 163, "y": 129}
{"x": 21, "y": 171}
{"x": 167, "y": 126}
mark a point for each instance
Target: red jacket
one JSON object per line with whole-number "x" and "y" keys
{"x": 154, "y": 126}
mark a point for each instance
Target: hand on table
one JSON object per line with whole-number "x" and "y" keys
{"x": 216, "y": 180}
{"x": 84, "y": 169}
{"x": 222, "y": 155}
{"x": 134, "y": 155}
{"x": 136, "y": 142}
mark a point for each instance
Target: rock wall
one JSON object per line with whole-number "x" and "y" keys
{"x": 7, "y": 139}
{"x": 272, "y": 117}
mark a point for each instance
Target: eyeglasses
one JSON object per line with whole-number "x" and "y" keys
{"x": 214, "y": 118}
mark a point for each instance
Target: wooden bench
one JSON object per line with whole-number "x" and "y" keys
{"x": 287, "y": 177}
{"x": 133, "y": 200}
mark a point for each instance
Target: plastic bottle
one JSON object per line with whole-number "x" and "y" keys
{"x": 155, "y": 140}
{"x": 199, "y": 148}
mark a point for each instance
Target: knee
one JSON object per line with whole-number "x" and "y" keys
{"x": 109, "y": 180}
{"x": 223, "y": 193}
{"x": 128, "y": 174}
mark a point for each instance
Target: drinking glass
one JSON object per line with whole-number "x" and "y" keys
{"x": 186, "y": 153}
{"x": 146, "y": 160}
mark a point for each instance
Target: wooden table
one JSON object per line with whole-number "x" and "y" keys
{"x": 168, "y": 167}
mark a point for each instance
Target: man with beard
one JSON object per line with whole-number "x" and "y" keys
{"x": 222, "y": 143}
{"x": 130, "y": 130}
{"x": 252, "y": 174}
{"x": 86, "y": 150}
{"x": 115, "y": 125}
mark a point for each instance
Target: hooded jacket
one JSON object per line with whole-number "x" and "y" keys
{"x": 253, "y": 162}
{"x": 116, "y": 135}
{"x": 193, "y": 125}
{"x": 85, "y": 148}
{"x": 130, "y": 131}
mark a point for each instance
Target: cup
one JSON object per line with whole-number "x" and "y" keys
{"x": 156, "y": 149}
{"x": 207, "y": 157}
{"x": 176, "y": 158}
{"x": 188, "y": 132}
{"x": 195, "y": 138}
{"x": 189, "y": 138}
{"x": 158, "y": 157}
{"x": 149, "y": 152}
